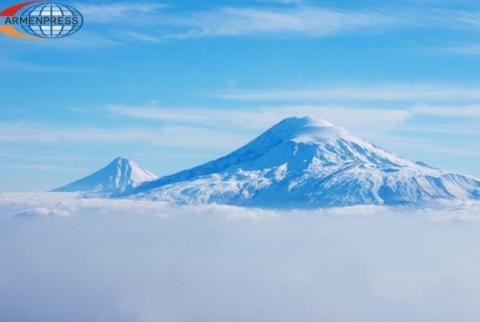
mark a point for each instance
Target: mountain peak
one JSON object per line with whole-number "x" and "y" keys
{"x": 296, "y": 124}
{"x": 305, "y": 129}
{"x": 119, "y": 175}
{"x": 302, "y": 121}
{"x": 305, "y": 162}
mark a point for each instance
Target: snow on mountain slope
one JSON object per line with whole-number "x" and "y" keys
{"x": 121, "y": 174}
{"x": 302, "y": 163}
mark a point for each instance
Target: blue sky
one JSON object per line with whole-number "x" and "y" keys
{"x": 173, "y": 84}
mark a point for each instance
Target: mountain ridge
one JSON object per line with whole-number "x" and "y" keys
{"x": 299, "y": 162}
{"x": 302, "y": 162}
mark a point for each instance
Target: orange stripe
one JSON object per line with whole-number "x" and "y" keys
{"x": 9, "y": 30}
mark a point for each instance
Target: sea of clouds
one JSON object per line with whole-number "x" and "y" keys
{"x": 65, "y": 258}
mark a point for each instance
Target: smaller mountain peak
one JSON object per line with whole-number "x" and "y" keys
{"x": 121, "y": 159}
{"x": 123, "y": 163}
{"x": 118, "y": 175}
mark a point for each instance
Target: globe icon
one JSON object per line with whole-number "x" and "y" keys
{"x": 54, "y": 20}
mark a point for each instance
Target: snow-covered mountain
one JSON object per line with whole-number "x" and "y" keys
{"x": 118, "y": 176}
{"x": 301, "y": 163}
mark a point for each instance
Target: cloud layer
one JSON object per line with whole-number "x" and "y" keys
{"x": 44, "y": 204}
{"x": 96, "y": 260}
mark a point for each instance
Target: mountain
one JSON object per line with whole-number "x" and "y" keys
{"x": 118, "y": 176}
{"x": 304, "y": 163}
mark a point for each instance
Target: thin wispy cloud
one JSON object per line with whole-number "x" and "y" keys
{"x": 366, "y": 120}
{"x": 112, "y": 24}
{"x": 283, "y": 2}
{"x": 43, "y": 168}
{"x": 451, "y": 111}
{"x": 166, "y": 136}
{"x": 111, "y": 12}
{"x": 192, "y": 128}
{"x": 311, "y": 21}
{"x": 394, "y": 92}
{"x": 420, "y": 146}
{"x": 198, "y": 127}
{"x": 140, "y": 37}
{"x": 293, "y": 19}
{"x": 458, "y": 18}
{"x": 151, "y": 22}
{"x": 467, "y": 49}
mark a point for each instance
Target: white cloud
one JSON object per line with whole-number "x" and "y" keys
{"x": 311, "y": 21}
{"x": 285, "y": 2}
{"x": 156, "y": 22}
{"x": 200, "y": 127}
{"x": 140, "y": 37}
{"x": 315, "y": 21}
{"x": 390, "y": 92}
{"x": 298, "y": 19}
{"x": 43, "y": 168}
{"x": 467, "y": 49}
{"x": 459, "y": 18}
{"x": 169, "y": 136}
{"x": 119, "y": 11}
{"x": 451, "y": 111}
{"x": 70, "y": 204}
{"x": 260, "y": 118}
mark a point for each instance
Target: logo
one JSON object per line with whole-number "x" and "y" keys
{"x": 40, "y": 19}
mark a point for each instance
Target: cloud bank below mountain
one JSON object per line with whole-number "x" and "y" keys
{"x": 70, "y": 259}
